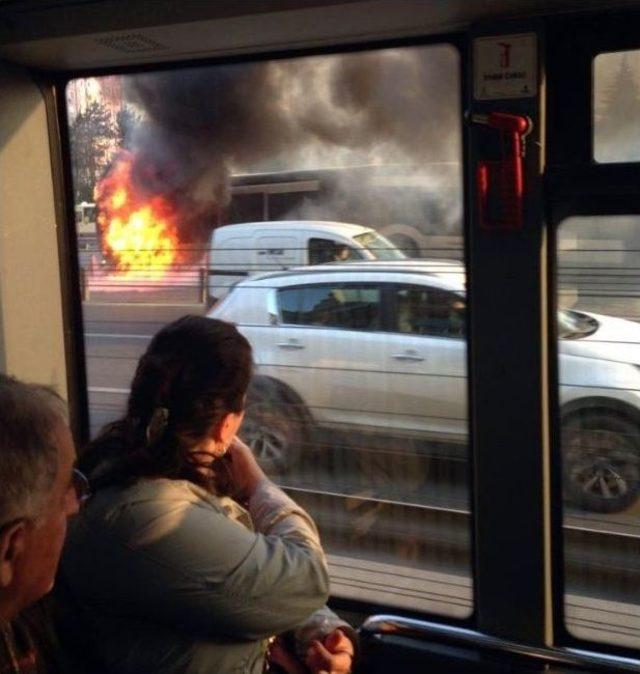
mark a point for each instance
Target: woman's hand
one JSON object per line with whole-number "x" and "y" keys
{"x": 333, "y": 655}
{"x": 243, "y": 470}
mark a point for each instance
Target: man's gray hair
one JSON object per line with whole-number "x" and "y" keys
{"x": 29, "y": 414}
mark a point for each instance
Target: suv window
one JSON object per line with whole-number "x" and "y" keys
{"x": 349, "y": 306}
{"x": 429, "y": 311}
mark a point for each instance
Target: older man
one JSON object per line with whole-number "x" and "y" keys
{"x": 39, "y": 490}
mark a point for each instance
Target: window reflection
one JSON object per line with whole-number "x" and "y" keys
{"x": 599, "y": 378}
{"x": 616, "y": 107}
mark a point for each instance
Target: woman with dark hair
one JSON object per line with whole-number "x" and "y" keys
{"x": 187, "y": 558}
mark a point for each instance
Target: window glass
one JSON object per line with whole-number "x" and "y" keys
{"x": 616, "y": 107}
{"x": 379, "y": 247}
{"x": 599, "y": 396}
{"x": 357, "y": 420}
{"x": 429, "y": 311}
{"x": 352, "y": 307}
{"x": 329, "y": 250}
{"x": 289, "y": 302}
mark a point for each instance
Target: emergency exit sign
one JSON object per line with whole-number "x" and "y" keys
{"x": 505, "y": 66}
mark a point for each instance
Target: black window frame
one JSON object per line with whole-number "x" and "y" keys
{"x": 460, "y": 42}
{"x": 578, "y": 185}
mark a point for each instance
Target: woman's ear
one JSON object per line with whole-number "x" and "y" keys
{"x": 228, "y": 427}
{"x": 216, "y": 444}
{"x": 12, "y": 544}
{"x": 222, "y": 434}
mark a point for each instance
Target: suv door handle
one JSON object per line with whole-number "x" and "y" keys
{"x": 412, "y": 356}
{"x": 290, "y": 344}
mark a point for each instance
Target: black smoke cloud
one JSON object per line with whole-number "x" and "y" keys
{"x": 400, "y": 99}
{"x": 202, "y": 124}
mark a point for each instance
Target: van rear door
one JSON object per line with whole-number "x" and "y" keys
{"x": 230, "y": 260}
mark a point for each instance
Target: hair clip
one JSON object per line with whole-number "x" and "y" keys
{"x": 157, "y": 424}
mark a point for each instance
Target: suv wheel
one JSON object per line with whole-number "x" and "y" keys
{"x": 273, "y": 427}
{"x": 601, "y": 461}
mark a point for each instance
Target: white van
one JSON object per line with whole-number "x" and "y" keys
{"x": 238, "y": 251}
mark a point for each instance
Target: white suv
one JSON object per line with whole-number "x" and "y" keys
{"x": 382, "y": 346}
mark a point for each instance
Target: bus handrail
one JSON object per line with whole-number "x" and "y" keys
{"x": 390, "y": 625}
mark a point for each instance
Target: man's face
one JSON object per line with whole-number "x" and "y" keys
{"x": 35, "y": 570}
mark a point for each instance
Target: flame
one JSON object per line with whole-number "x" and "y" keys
{"x": 119, "y": 199}
{"x": 139, "y": 232}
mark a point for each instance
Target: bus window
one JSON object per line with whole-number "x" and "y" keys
{"x": 365, "y": 426}
{"x": 616, "y": 106}
{"x": 599, "y": 396}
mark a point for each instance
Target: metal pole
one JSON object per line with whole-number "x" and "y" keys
{"x": 84, "y": 286}
{"x": 204, "y": 290}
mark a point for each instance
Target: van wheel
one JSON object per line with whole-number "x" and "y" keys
{"x": 601, "y": 461}
{"x": 273, "y": 427}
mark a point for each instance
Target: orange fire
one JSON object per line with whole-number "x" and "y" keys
{"x": 139, "y": 232}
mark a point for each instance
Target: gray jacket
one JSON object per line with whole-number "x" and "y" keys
{"x": 163, "y": 577}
